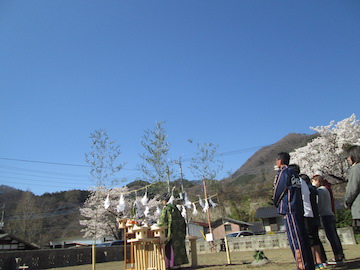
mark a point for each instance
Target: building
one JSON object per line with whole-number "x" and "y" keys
{"x": 271, "y": 219}
{"x": 223, "y": 226}
{"x": 10, "y": 242}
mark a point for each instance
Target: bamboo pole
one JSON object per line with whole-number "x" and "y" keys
{"x": 208, "y": 216}
{"x": 93, "y": 256}
{"x": 227, "y": 250}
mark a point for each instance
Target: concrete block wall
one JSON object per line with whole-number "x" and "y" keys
{"x": 268, "y": 241}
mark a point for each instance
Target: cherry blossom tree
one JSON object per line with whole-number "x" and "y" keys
{"x": 104, "y": 206}
{"x": 325, "y": 152}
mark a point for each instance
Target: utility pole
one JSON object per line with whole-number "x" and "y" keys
{"x": 208, "y": 216}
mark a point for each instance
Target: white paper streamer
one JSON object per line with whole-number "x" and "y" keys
{"x": 121, "y": 205}
{"x": 201, "y": 202}
{"x": 213, "y": 204}
{"x": 186, "y": 201}
{"x": 157, "y": 211}
{"x": 147, "y": 211}
{"x": 183, "y": 212}
{"x": 107, "y": 202}
{"x": 144, "y": 200}
{"x": 206, "y": 206}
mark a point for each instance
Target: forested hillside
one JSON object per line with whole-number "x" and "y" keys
{"x": 39, "y": 219}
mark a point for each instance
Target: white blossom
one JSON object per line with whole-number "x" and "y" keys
{"x": 325, "y": 152}
{"x": 99, "y": 222}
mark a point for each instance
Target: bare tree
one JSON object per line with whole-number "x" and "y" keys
{"x": 206, "y": 166}
{"x": 103, "y": 159}
{"x": 27, "y": 222}
{"x": 156, "y": 166}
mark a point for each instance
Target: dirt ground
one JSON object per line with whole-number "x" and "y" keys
{"x": 279, "y": 259}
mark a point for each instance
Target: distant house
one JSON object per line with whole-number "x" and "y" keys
{"x": 271, "y": 219}
{"x": 224, "y": 226}
{"x": 10, "y": 242}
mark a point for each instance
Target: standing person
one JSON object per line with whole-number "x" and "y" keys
{"x": 327, "y": 184}
{"x": 328, "y": 219}
{"x": 312, "y": 221}
{"x": 287, "y": 197}
{"x": 352, "y": 194}
{"x": 175, "y": 251}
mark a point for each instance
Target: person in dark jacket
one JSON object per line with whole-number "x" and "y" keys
{"x": 288, "y": 199}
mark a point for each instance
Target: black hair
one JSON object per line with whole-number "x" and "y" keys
{"x": 165, "y": 197}
{"x": 306, "y": 178}
{"x": 284, "y": 157}
{"x": 295, "y": 168}
{"x": 353, "y": 152}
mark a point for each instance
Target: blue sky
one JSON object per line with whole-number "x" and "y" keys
{"x": 240, "y": 74}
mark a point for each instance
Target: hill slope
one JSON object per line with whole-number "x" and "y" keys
{"x": 57, "y": 215}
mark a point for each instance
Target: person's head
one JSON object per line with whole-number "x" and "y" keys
{"x": 165, "y": 198}
{"x": 295, "y": 168}
{"x": 353, "y": 154}
{"x": 306, "y": 178}
{"x": 282, "y": 159}
{"x": 317, "y": 181}
{"x": 318, "y": 172}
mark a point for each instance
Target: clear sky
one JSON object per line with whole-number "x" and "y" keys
{"x": 240, "y": 74}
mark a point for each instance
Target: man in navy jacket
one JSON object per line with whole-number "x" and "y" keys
{"x": 287, "y": 198}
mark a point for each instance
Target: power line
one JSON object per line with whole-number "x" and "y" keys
{"x": 54, "y": 163}
{"x": 234, "y": 152}
{"x": 46, "y": 162}
{"x": 42, "y": 172}
{"x": 47, "y": 177}
{"x": 66, "y": 179}
{"x": 37, "y": 184}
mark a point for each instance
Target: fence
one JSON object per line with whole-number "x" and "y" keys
{"x": 268, "y": 241}
{"x": 52, "y": 258}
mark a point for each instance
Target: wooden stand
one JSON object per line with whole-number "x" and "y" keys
{"x": 146, "y": 251}
{"x": 149, "y": 254}
{"x": 193, "y": 250}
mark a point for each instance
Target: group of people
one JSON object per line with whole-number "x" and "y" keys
{"x": 307, "y": 203}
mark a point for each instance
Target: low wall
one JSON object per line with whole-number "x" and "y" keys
{"x": 268, "y": 241}
{"x": 52, "y": 258}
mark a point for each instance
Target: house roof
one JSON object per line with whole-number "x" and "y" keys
{"x": 203, "y": 224}
{"x": 267, "y": 212}
{"x": 221, "y": 221}
{"x": 6, "y": 237}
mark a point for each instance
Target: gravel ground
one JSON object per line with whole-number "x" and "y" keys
{"x": 279, "y": 259}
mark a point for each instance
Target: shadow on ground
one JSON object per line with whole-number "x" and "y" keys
{"x": 349, "y": 264}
